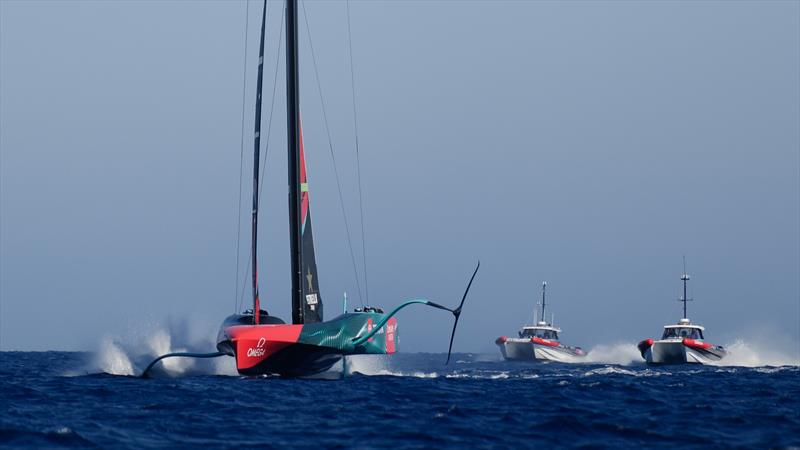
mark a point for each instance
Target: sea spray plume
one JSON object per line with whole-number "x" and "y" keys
{"x": 111, "y": 359}
{"x": 128, "y": 353}
{"x": 622, "y": 353}
{"x": 749, "y": 354}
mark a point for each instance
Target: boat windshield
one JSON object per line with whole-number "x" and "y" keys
{"x": 692, "y": 333}
{"x": 544, "y": 334}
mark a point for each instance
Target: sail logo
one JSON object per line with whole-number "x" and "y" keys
{"x": 259, "y": 350}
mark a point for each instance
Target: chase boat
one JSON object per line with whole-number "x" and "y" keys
{"x": 539, "y": 342}
{"x": 682, "y": 343}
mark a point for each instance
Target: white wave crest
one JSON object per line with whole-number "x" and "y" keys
{"x": 610, "y": 370}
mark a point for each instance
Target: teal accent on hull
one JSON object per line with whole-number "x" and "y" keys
{"x": 360, "y": 340}
{"x": 339, "y": 333}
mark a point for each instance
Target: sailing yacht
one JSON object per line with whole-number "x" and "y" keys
{"x": 539, "y": 342}
{"x": 681, "y": 343}
{"x": 262, "y": 343}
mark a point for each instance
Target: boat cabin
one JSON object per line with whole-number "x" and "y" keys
{"x": 541, "y": 330}
{"x": 683, "y": 329}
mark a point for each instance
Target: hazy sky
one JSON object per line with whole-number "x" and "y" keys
{"x": 589, "y": 144}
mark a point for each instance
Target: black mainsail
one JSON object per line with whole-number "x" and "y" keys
{"x": 306, "y": 300}
{"x": 311, "y": 298}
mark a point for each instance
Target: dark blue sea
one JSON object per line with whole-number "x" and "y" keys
{"x": 58, "y": 399}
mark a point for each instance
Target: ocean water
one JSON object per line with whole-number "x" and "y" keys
{"x": 85, "y": 400}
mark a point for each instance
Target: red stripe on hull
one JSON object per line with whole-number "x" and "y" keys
{"x": 546, "y": 342}
{"x": 696, "y": 344}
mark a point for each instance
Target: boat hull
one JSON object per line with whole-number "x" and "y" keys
{"x": 302, "y": 350}
{"x": 527, "y": 350}
{"x": 686, "y": 351}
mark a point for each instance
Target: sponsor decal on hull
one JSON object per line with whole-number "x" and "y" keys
{"x": 255, "y": 343}
{"x": 391, "y": 335}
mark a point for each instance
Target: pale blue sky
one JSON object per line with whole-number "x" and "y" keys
{"x": 589, "y": 144}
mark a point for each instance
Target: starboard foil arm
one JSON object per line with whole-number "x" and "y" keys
{"x": 456, "y": 313}
{"x": 183, "y": 355}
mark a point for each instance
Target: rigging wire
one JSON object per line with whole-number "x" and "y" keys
{"x": 266, "y": 153}
{"x": 358, "y": 159}
{"x": 241, "y": 163}
{"x": 333, "y": 157}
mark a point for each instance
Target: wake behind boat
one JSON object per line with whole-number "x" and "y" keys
{"x": 539, "y": 342}
{"x": 682, "y": 343}
{"x": 265, "y": 344}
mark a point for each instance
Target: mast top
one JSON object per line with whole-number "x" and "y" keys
{"x": 543, "y": 320}
{"x": 684, "y": 298}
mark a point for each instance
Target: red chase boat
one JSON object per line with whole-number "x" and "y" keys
{"x": 264, "y": 344}
{"x": 682, "y": 343}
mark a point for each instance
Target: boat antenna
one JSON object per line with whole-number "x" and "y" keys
{"x": 544, "y": 288}
{"x": 684, "y": 278}
{"x": 257, "y": 148}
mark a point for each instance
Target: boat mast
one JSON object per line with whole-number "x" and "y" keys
{"x": 257, "y": 148}
{"x": 293, "y": 141}
{"x": 684, "y": 278}
{"x": 544, "y": 287}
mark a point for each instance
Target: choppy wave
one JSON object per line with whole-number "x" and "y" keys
{"x": 406, "y": 400}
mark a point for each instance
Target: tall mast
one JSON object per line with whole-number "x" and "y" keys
{"x": 544, "y": 287}
{"x": 684, "y": 278}
{"x": 257, "y": 149}
{"x": 293, "y": 140}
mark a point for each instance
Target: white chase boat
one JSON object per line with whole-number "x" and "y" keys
{"x": 682, "y": 343}
{"x": 539, "y": 343}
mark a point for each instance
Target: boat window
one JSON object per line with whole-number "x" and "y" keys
{"x": 547, "y": 334}
{"x": 544, "y": 334}
{"x": 691, "y": 333}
